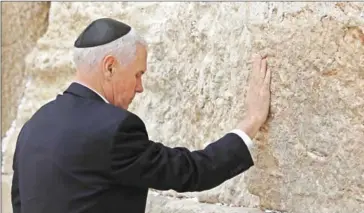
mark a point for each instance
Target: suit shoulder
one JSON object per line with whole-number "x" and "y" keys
{"x": 132, "y": 123}
{"x": 127, "y": 120}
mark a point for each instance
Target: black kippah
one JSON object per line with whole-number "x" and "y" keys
{"x": 101, "y": 31}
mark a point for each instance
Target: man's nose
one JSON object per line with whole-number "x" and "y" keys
{"x": 139, "y": 88}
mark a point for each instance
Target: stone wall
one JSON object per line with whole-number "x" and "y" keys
{"x": 308, "y": 158}
{"x": 22, "y": 25}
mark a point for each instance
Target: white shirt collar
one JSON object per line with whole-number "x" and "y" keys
{"x": 92, "y": 90}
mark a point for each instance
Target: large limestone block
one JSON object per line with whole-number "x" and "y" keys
{"x": 162, "y": 204}
{"x": 308, "y": 157}
{"x": 22, "y": 24}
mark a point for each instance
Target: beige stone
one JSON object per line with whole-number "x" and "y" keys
{"x": 309, "y": 155}
{"x": 22, "y": 24}
{"x": 162, "y": 204}
{"x": 6, "y": 194}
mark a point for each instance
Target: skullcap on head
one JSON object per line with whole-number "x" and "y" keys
{"x": 101, "y": 31}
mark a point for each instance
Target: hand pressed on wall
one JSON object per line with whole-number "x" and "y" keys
{"x": 258, "y": 96}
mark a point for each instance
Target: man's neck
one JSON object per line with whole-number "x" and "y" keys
{"x": 92, "y": 86}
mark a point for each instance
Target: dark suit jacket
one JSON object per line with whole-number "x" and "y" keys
{"x": 78, "y": 154}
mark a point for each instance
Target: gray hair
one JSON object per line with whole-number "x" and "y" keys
{"x": 123, "y": 49}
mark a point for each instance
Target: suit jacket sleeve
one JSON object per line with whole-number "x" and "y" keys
{"x": 140, "y": 162}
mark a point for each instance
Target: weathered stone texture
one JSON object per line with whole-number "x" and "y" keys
{"x": 165, "y": 204}
{"x": 311, "y": 158}
{"x": 5, "y": 194}
{"x": 22, "y": 25}
{"x": 309, "y": 155}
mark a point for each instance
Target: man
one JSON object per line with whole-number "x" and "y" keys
{"x": 84, "y": 152}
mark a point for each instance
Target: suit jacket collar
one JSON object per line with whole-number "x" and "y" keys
{"x": 81, "y": 90}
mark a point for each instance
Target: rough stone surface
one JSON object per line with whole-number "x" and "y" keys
{"x": 309, "y": 155}
{"x": 5, "y": 194}
{"x": 22, "y": 24}
{"x": 162, "y": 204}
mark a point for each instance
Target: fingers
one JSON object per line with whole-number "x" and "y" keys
{"x": 263, "y": 68}
{"x": 259, "y": 67}
{"x": 267, "y": 78}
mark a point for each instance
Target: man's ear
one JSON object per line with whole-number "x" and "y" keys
{"x": 108, "y": 66}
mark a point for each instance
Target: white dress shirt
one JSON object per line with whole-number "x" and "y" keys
{"x": 247, "y": 140}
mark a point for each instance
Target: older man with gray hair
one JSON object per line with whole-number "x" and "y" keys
{"x": 84, "y": 152}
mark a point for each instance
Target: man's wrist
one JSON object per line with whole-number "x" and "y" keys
{"x": 250, "y": 126}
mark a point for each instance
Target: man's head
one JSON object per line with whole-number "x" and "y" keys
{"x": 111, "y": 58}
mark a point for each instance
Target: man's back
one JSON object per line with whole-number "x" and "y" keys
{"x": 62, "y": 157}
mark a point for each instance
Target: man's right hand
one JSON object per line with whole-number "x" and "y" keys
{"x": 258, "y": 97}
